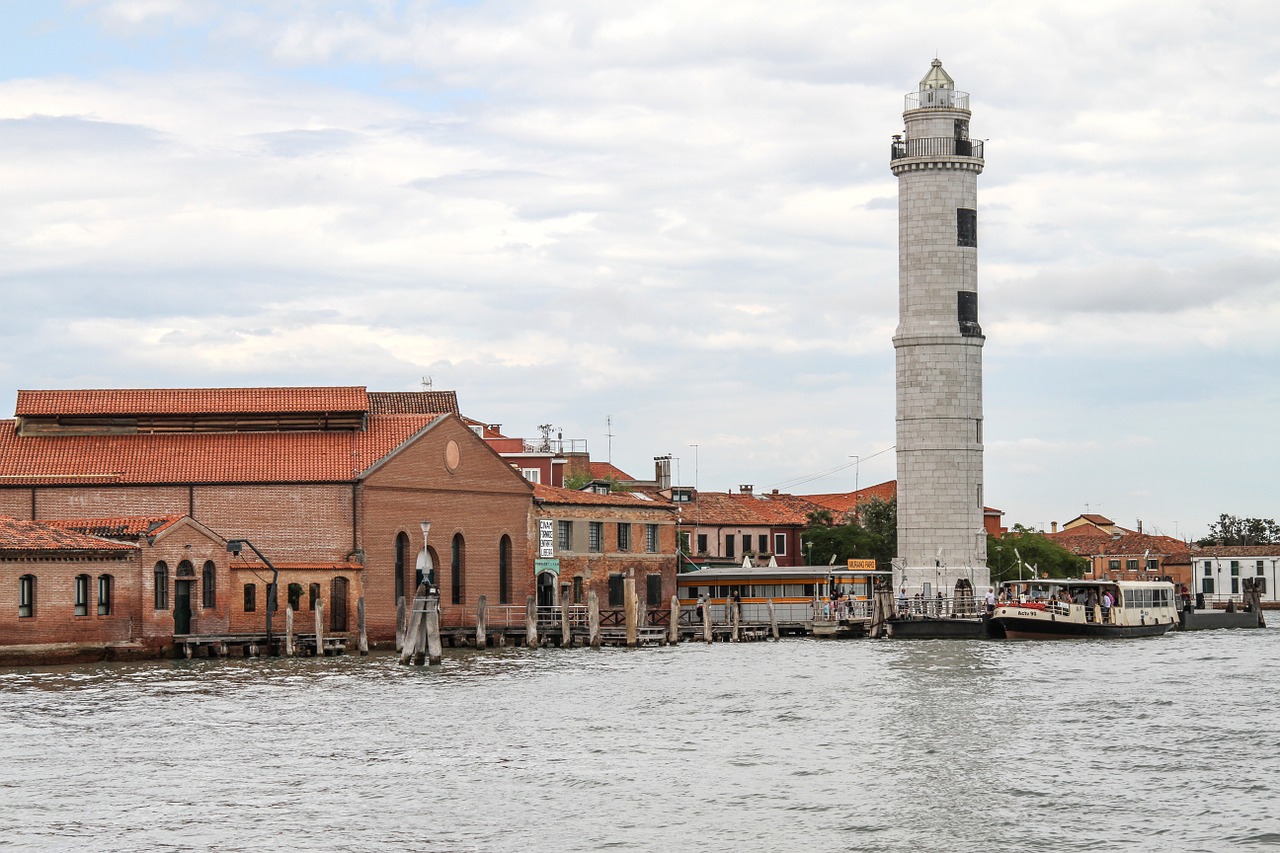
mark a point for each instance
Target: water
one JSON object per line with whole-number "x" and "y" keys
{"x": 1167, "y": 743}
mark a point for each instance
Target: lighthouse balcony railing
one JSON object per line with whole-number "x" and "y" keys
{"x": 935, "y": 146}
{"x": 946, "y": 99}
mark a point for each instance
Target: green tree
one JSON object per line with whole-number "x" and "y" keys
{"x": 1035, "y": 550}
{"x": 1232, "y": 530}
{"x": 875, "y": 538}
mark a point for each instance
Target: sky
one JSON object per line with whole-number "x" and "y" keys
{"x": 666, "y": 227}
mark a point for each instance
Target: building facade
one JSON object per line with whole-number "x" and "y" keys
{"x": 938, "y": 343}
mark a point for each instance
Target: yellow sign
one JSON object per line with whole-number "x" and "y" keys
{"x": 862, "y": 565}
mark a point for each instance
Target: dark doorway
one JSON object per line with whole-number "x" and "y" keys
{"x": 182, "y": 607}
{"x": 338, "y": 605}
{"x": 546, "y": 590}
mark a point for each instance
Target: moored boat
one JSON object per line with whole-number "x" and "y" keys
{"x": 1059, "y": 608}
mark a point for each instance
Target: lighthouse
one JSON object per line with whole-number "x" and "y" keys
{"x": 938, "y": 345}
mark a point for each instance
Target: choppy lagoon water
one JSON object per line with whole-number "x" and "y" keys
{"x": 1168, "y": 743}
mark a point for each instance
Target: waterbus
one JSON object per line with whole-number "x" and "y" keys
{"x": 794, "y": 590}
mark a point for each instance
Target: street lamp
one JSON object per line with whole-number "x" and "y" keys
{"x": 234, "y": 547}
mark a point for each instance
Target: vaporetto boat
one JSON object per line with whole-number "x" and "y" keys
{"x": 1059, "y": 608}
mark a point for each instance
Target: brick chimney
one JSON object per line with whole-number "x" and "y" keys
{"x": 1053, "y": 527}
{"x": 746, "y": 490}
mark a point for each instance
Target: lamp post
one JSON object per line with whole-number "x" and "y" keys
{"x": 234, "y": 547}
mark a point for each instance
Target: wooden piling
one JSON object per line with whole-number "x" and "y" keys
{"x": 531, "y": 622}
{"x": 707, "y": 634}
{"x": 733, "y": 615}
{"x": 482, "y": 622}
{"x": 629, "y": 609}
{"x": 319, "y": 628}
{"x": 409, "y": 643}
{"x": 593, "y": 618}
{"x": 773, "y": 620}
{"x": 400, "y": 623}
{"x": 431, "y": 625}
{"x": 288, "y": 631}
{"x": 364, "y": 635}
{"x": 673, "y": 635}
{"x": 566, "y": 635}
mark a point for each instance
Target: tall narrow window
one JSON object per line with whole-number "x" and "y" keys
{"x": 504, "y": 570}
{"x": 313, "y": 595}
{"x": 595, "y": 536}
{"x": 764, "y": 543}
{"x": 457, "y": 567}
{"x": 780, "y": 544}
{"x": 651, "y": 538}
{"x": 702, "y": 542}
{"x": 402, "y": 552}
{"x": 577, "y": 590}
{"x": 624, "y": 536}
{"x": 82, "y": 595}
{"x": 209, "y": 585}
{"x": 616, "y": 595}
{"x": 338, "y": 604}
{"x": 653, "y": 585}
{"x": 564, "y": 535}
{"x": 26, "y": 596}
{"x": 730, "y": 541}
{"x": 746, "y": 543}
{"x": 162, "y": 585}
{"x": 295, "y": 596}
{"x": 966, "y": 227}
{"x": 104, "y": 595}
{"x": 250, "y": 597}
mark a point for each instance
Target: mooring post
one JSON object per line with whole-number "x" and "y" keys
{"x": 531, "y": 622}
{"x": 482, "y": 622}
{"x": 319, "y": 628}
{"x": 364, "y": 635}
{"x": 629, "y": 609}
{"x": 566, "y": 635}
{"x": 400, "y": 623}
{"x": 431, "y": 624}
{"x": 673, "y": 636}
{"x": 707, "y": 633}
{"x": 288, "y": 631}
{"x": 408, "y": 646}
{"x": 733, "y": 615}
{"x": 593, "y": 618}
{"x": 773, "y": 620}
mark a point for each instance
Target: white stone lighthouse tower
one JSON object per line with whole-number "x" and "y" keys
{"x": 941, "y": 540}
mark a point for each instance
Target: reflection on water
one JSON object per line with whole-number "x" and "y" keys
{"x": 855, "y": 745}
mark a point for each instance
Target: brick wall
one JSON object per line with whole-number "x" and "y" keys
{"x": 54, "y": 619}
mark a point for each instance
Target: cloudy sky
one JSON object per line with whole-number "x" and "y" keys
{"x": 672, "y": 218}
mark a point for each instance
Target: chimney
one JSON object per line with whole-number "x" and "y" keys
{"x": 775, "y": 491}
{"x": 662, "y": 471}
{"x": 1053, "y": 527}
{"x": 1139, "y": 525}
{"x": 745, "y": 490}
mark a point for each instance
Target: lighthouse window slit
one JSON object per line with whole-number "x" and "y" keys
{"x": 966, "y": 227}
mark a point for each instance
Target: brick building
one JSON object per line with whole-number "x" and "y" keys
{"x": 1119, "y": 553}
{"x": 588, "y": 540}
{"x": 727, "y": 526}
{"x": 349, "y": 493}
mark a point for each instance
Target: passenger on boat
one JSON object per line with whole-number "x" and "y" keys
{"x": 1107, "y": 601}
{"x": 991, "y": 600}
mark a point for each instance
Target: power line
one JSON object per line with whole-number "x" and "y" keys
{"x": 809, "y": 478}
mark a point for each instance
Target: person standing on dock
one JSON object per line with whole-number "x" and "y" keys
{"x": 991, "y": 600}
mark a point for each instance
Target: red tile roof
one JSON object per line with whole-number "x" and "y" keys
{"x": 1234, "y": 551}
{"x": 288, "y": 457}
{"x": 1090, "y": 541}
{"x": 765, "y": 510}
{"x": 413, "y": 402}
{"x": 846, "y": 501}
{"x": 608, "y": 471}
{"x": 28, "y": 536}
{"x": 186, "y": 401}
{"x": 132, "y": 527}
{"x": 556, "y": 495}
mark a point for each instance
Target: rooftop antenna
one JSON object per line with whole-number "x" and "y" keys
{"x": 608, "y": 433}
{"x": 426, "y": 383}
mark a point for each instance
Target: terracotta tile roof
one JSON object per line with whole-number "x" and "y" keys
{"x": 132, "y": 527}
{"x": 556, "y": 495}
{"x": 846, "y": 501}
{"x": 608, "y": 471}
{"x": 1234, "y": 552}
{"x": 29, "y": 536}
{"x": 288, "y": 457}
{"x": 186, "y": 401}
{"x": 413, "y": 402}
{"x": 765, "y": 510}
{"x": 1089, "y": 541}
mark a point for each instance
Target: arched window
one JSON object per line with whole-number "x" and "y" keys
{"x": 162, "y": 585}
{"x": 82, "y": 595}
{"x": 402, "y": 549}
{"x": 26, "y": 596}
{"x": 504, "y": 570}
{"x": 209, "y": 584}
{"x": 186, "y": 570}
{"x": 457, "y": 566}
{"x": 295, "y": 596}
{"x": 104, "y": 595}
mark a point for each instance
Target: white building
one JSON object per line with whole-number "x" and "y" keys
{"x": 941, "y": 539}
